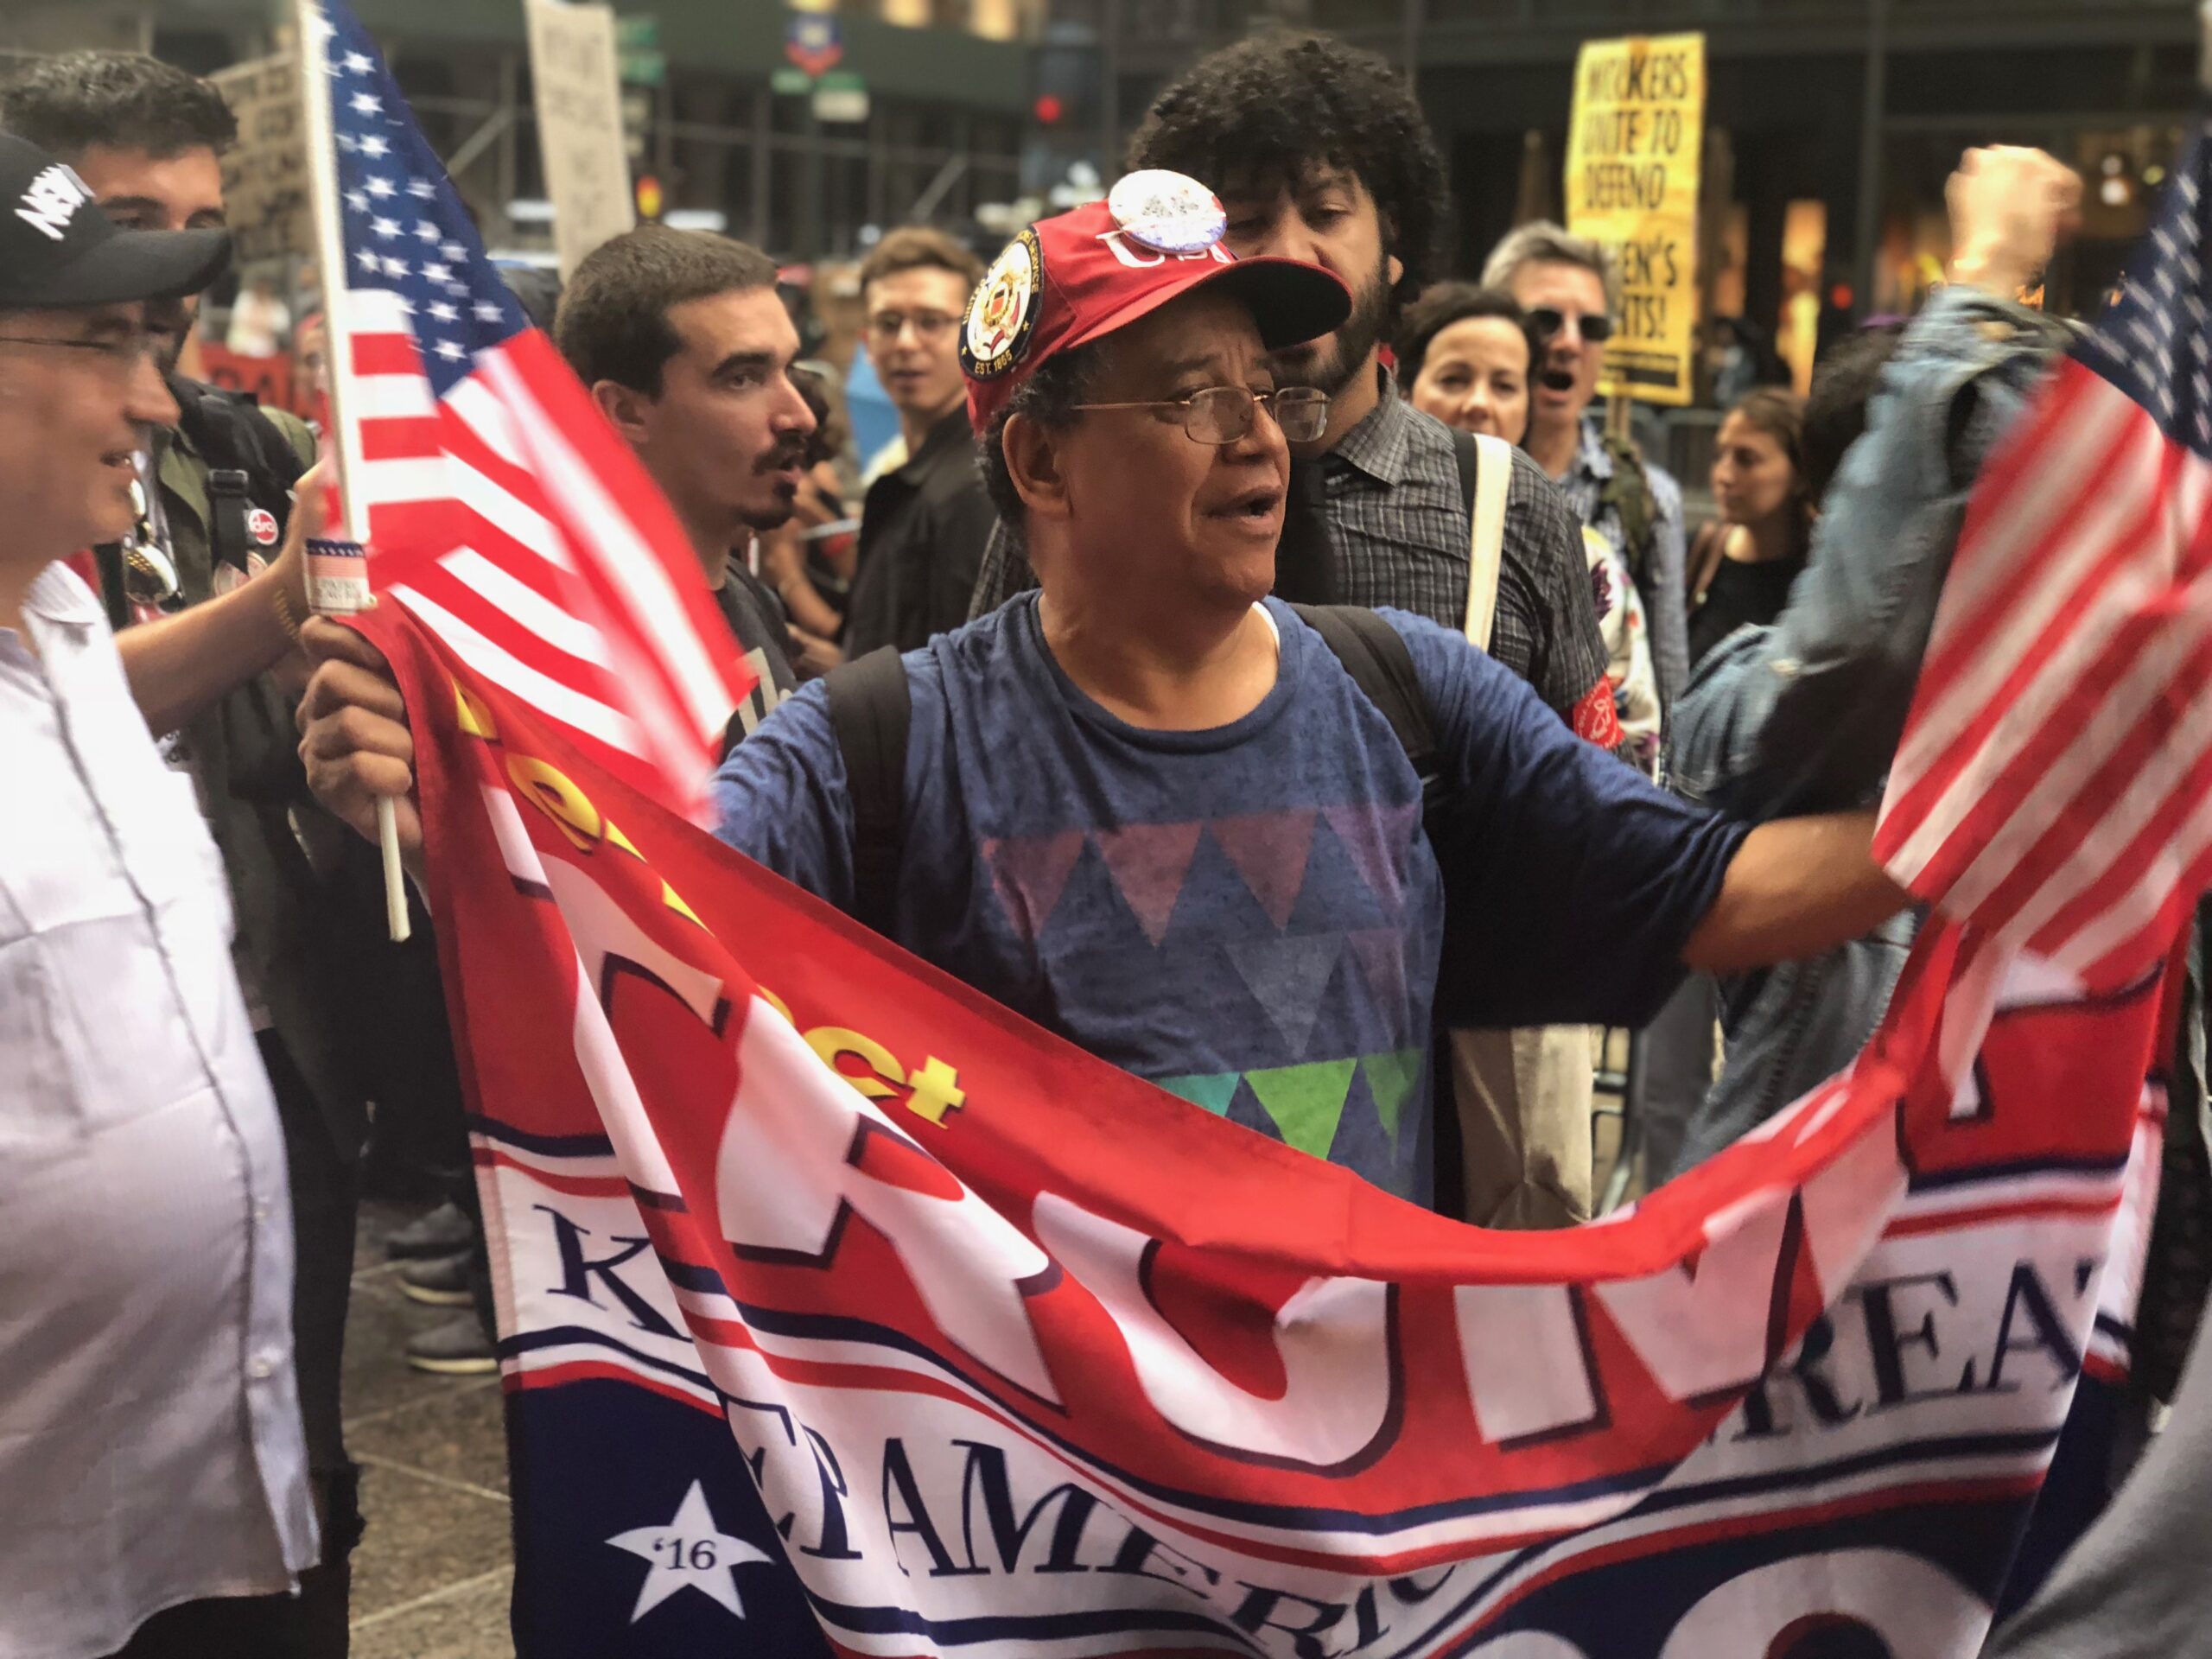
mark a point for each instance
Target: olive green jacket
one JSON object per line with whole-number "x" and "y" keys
{"x": 244, "y": 753}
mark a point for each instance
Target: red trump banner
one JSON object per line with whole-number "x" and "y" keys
{"x": 839, "y": 1300}
{"x": 842, "y": 1311}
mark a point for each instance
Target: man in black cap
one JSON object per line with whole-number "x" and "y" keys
{"x": 147, "y": 139}
{"x": 151, "y": 1448}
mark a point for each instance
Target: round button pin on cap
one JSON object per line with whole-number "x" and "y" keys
{"x": 1167, "y": 212}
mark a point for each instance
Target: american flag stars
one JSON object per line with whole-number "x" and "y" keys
{"x": 2153, "y": 341}
{"x": 396, "y": 198}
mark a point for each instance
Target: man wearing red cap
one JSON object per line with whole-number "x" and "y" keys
{"x": 1148, "y": 807}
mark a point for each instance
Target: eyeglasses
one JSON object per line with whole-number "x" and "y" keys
{"x": 1545, "y": 322}
{"x": 1218, "y": 415}
{"x": 927, "y": 325}
{"x": 122, "y": 351}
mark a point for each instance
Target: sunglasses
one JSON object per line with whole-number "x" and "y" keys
{"x": 1546, "y": 323}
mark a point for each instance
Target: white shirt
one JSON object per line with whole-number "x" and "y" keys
{"x": 150, "y": 1443}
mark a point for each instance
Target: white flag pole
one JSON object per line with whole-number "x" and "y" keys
{"x": 343, "y": 596}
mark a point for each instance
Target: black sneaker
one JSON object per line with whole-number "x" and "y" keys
{"x": 457, "y": 1348}
{"x": 437, "y": 1281}
{"x": 441, "y": 1231}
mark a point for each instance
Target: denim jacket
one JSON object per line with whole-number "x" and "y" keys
{"x": 1804, "y": 716}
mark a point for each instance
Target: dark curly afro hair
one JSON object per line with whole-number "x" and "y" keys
{"x": 1262, "y": 112}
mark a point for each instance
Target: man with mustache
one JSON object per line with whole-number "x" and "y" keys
{"x": 687, "y": 349}
{"x": 1320, "y": 152}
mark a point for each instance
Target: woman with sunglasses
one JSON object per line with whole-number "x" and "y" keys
{"x": 1465, "y": 355}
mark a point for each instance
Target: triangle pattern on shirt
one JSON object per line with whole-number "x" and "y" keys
{"x": 1148, "y": 863}
{"x": 1390, "y": 1079}
{"x": 1269, "y": 850}
{"x": 1380, "y": 953}
{"x": 1305, "y": 1102}
{"x": 1288, "y": 978}
{"x": 1213, "y": 1091}
{"x": 1373, "y": 835}
{"x": 1030, "y": 873}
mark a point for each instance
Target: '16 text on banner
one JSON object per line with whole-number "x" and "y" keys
{"x": 1634, "y": 151}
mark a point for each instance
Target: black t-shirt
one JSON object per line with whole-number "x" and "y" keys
{"x": 924, "y": 527}
{"x": 1740, "y": 595}
{"x": 756, "y": 619}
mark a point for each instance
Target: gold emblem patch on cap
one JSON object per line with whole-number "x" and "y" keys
{"x": 1166, "y": 211}
{"x": 1003, "y": 310}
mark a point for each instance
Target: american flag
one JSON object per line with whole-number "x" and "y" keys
{"x": 2054, "y": 784}
{"x": 502, "y": 510}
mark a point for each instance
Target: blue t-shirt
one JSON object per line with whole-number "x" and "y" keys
{"x": 1250, "y": 916}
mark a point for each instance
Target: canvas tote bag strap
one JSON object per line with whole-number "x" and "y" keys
{"x": 1493, "y": 483}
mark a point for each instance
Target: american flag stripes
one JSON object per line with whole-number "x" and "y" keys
{"x": 2054, "y": 784}
{"x": 502, "y": 510}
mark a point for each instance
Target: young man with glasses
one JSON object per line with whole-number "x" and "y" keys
{"x": 1571, "y": 290}
{"x": 152, "y": 1455}
{"x": 925, "y": 523}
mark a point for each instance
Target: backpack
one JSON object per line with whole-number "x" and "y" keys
{"x": 1628, "y": 492}
{"x": 233, "y": 435}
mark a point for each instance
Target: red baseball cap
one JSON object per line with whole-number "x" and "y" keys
{"x": 1067, "y": 280}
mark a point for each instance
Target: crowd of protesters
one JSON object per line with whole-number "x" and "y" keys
{"x": 1118, "y": 577}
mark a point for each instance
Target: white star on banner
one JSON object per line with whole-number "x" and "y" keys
{"x": 395, "y": 267}
{"x": 437, "y": 273}
{"x": 488, "y": 312}
{"x": 690, "y": 1552}
{"x": 369, "y": 260}
{"x": 357, "y": 63}
{"x": 425, "y": 232}
{"x": 386, "y": 227}
{"x": 380, "y": 187}
{"x": 358, "y": 201}
{"x": 441, "y": 312}
{"x": 376, "y": 148}
{"x": 367, "y": 104}
{"x": 450, "y": 350}
{"x": 421, "y": 189}
{"x": 454, "y": 251}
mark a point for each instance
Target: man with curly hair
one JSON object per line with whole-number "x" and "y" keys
{"x": 1320, "y": 152}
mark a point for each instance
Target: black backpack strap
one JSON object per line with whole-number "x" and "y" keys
{"x": 230, "y": 430}
{"x": 870, "y": 708}
{"x": 1463, "y": 457}
{"x": 1376, "y": 657}
{"x": 1379, "y": 662}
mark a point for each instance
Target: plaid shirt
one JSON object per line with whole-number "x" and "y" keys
{"x": 1399, "y": 523}
{"x": 1661, "y": 579}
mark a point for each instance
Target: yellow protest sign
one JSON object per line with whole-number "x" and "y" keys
{"x": 1634, "y": 151}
